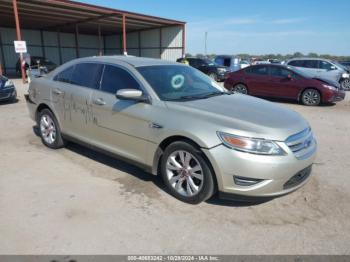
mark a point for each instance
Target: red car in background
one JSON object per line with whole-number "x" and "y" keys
{"x": 278, "y": 81}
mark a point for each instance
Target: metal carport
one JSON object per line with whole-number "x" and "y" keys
{"x": 62, "y": 30}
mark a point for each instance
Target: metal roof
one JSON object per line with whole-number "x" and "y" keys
{"x": 65, "y": 15}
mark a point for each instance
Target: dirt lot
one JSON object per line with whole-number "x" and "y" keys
{"x": 77, "y": 201}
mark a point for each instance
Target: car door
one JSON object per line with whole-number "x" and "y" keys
{"x": 311, "y": 67}
{"x": 283, "y": 83}
{"x": 73, "y": 96}
{"x": 257, "y": 80}
{"x": 120, "y": 126}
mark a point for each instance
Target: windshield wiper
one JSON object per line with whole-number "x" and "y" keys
{"x": 194, "y": 97}
{"x": 214, "y": 94}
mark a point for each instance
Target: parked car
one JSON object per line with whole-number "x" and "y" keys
{"x": 229, "y": 61}
{"x": 7, "y": 90}
{"x": 278, "y": 81}
{"x": 208, "y": 67}
{"x": 274, "y": 61}
{"x": 323, "y": 68}
{"x": 173, "y": 120}
{"x": 346, "y": 64}
{"x": 244, "y": 64}
{"x": 35, "y": 62}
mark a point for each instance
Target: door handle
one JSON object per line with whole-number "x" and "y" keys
{"x": 99, "y": 102}
{"x": 58, "y": 91}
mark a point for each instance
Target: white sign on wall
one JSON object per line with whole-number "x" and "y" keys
{"x": 20, "y": 46}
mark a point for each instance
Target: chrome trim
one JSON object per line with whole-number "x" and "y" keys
{"x": 302, "y": 144}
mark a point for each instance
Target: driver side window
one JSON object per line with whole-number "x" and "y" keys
{"x": 325, "y": 65}
{"x": 115, "y": 78}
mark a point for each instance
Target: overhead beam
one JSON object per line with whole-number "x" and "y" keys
{"x": 81, "y": 21}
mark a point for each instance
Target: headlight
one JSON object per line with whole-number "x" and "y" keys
{"x": 8, "y": 83}
{"x": 329, "y": 87}
{"x": 251, "y": 145}
{"x": 345, "y": 75}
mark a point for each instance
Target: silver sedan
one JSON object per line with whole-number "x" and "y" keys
{"x": 174, "y": 121}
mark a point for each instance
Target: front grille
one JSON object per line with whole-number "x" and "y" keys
{"x": 298, "y": 178}
{"x": 302, "y": 144}
{"x": 4, "y": 95}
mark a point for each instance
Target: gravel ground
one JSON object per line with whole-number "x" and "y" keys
{"x": 77, "y": 201}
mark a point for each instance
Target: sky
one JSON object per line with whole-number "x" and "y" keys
{"x": 253, "y": 26}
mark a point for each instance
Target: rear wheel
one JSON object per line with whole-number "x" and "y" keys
{"x": 345, "y": 84}
{"x": 240, "y": 88}
{"x": 50, "y": 132}
{"x": 311, "y": 97}
{"x": 186, "y": 173}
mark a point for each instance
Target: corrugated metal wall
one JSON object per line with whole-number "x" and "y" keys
{"x": 165, "y": 43}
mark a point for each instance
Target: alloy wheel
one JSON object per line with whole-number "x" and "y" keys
{"x": 311, "y": 97}
{"x": 346, "y": 84}
{"x": 184, "y": 173}
{"x": 241, "y": 89}
{"x": 48, "y": 129}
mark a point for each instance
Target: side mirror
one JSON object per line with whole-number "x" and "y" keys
{"x": 333, "y": 68}
{"x": 131, "y": 94}
{"x": 289, "y": 77}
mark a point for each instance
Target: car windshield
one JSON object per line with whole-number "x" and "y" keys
{"x": 180, "y": 83}
{"x": 209, "y": 62}
{"x": 300, "y": 72}
{"x": 43, "y": 60}
{"x": 340, "y": 65}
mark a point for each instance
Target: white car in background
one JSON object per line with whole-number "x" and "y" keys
{"x": 323, "y": 68}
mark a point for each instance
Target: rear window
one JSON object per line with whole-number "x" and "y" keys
{"x": 87, "y": 75}
{"x": 310, "y": 64}
{"x": 257, "y": 70}
{"x": 297, "y": 63}
{"x": 65, "y": 76}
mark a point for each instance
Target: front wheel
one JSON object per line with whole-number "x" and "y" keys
{"x": 311, "y": 97}
{"x": 345, "y": 84}
{"x": 186, "y": 173}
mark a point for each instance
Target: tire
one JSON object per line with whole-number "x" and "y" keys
{"x": 188, "y": 186}
{"x": 213, "y": 76}
{"x": 311, "y": 97}
{"x": 13, "y": 99}
{"x": 240, "y": 89}
{"x": 345, "y": 84}
{"x": 49, "y": 130}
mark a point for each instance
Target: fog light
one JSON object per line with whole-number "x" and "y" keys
{"x": 245, "y": 181}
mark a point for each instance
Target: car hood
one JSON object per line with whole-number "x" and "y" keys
{"x": 241, "y": 115}
{"x": 327, "y": 81}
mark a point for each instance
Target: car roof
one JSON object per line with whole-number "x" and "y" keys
{"x": 132, "y": 60}
{"x": 309, "y": 58}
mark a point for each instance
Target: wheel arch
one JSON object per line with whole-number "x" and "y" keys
{"x": 175, "y": 138}
{"x": 40, "y": 108}
{"x": 309, "y": 87}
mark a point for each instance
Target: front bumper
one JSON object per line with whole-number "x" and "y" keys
{"x": 8, "y": 94}
{"x": 334, "y": 96}
{"x": 278, "y": 175}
